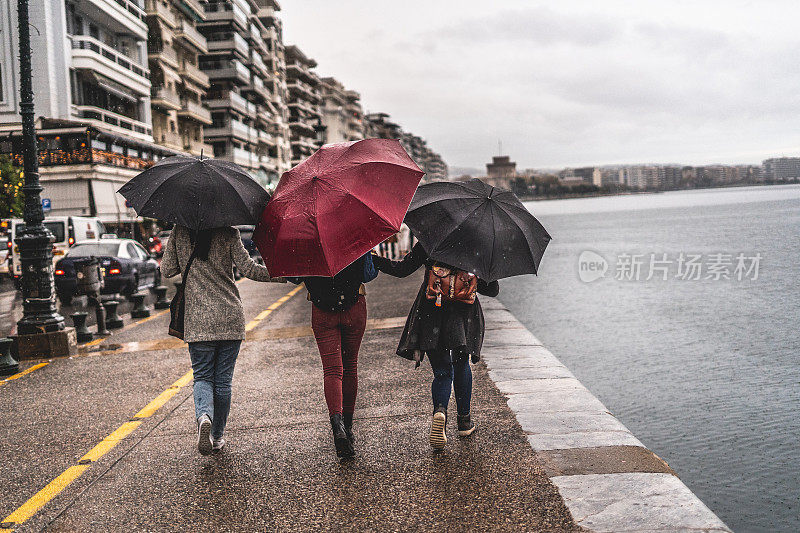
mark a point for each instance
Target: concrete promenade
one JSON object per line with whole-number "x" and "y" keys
{"x": 104, "y": 441}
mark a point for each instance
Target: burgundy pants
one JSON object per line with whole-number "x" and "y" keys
{"x": 339, "y": 337}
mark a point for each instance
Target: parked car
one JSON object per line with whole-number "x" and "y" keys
{"x": 66, "y": 230}
{"x": 5, "y": 255}
{"x": 126, "y": 265}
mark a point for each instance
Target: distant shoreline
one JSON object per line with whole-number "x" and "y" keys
{"x": 537, "y": 198}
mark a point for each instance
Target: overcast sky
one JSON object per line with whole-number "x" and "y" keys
{"x": 569, "y": 83}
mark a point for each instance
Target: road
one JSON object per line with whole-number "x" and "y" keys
{"x": 109, "y": 436}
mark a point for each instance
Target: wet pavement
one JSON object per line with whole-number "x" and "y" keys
{"x": 279, "y": 470}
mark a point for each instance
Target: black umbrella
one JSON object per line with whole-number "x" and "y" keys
{"x": 478, "y": 228}
{"x": 196, "y": 193}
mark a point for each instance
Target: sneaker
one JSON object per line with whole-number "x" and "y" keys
{"x": 438, "y": 438}
{"x": 344, "y": 448}
{"x": 217, "y": 444}
{"x": 465, "y": 426}
{"x": 204, "y": 435}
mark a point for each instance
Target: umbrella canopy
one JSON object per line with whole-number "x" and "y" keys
{"x": 196, "y": 193}
{"x": 335, "y": 206}
{"x": 478, "y": 228}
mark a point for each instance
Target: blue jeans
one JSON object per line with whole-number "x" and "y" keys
{"x": 212, "y": 365}
{"x": 451, "y": 371}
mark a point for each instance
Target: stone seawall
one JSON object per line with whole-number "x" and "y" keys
{"x": 609, "y": 480}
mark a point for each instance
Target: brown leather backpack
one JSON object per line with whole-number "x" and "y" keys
{"x": 451, "y": 284}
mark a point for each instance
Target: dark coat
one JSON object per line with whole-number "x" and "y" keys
{"x": 340, "y": 292}
{"x": 453, "y": 326}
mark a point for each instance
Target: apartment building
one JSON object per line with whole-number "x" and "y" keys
{"x": 379, "y": 126}
{"x": 304, "y": 103}
{"x": 341, "y": 110}
{"x": 89, "y": 64}
{"x": 241, "y": 70}
{"x": 178, "y": 85}
{"x": 781, "y": 168}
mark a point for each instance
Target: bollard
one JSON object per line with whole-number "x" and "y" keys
{"x": 161, "y": 297}
{"x": 8, "y": 365}
{"x": 139, "y": 310}
{"x": 79, "y": 321}
{"x": 113, "y": 320}
{"x": 100, "y": 313}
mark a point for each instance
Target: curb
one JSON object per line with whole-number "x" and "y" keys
{"x": 608, "y": 479}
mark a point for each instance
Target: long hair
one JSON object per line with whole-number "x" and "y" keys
{"x": 201, "y": 240}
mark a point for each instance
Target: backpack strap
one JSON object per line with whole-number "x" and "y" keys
{"x": 188, "y": 264}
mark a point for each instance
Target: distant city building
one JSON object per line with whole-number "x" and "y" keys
{"x": 501, "y": 167}
{"x": 247, "y": 94}
{"x": 304, "y": 103}
{"x": 379, "y": 126}
{"x": 178, "y": 85}
{"x": 342, "y": 115}
{"x": 781, "y": 168}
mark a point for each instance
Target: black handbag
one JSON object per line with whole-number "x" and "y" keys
{"x": 177, "y": 307}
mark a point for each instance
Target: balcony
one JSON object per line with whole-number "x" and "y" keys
{"x": 156, "y": 8}
{"x": 244, "y": 158}
{"x": 195, "y": 111}
{"x": 258, "y": 63}
{"x": 257, "y": 86}
{"x": 113, "y": 121}
{"x": 301, "y": 126}
{"x": 227, "y": 70}
{"x": 124, "y": 16}
{"x": 258, "y": 42}
{"x": 170, "y": 139}
{"x": 195, "y": 75}
{"x": 188, "y": 34}
{"x": 226, "y": 12}
{"x": 90, "y": 54}
{"x": 228, "y": 41}
{"x": 165, "y": 98}
{"x": 192, "y": 8}
{"x": 303, "y": 89}
{"x": 233, "y": 128}
{"x": 198, "y": 148}
{"x": 265, "y": 138}
{"x": 165, "y": 54}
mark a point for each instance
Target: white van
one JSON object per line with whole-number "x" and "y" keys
{"x": 66, "y": 230}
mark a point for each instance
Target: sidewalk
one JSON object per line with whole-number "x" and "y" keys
{"x": 279, "y": 470}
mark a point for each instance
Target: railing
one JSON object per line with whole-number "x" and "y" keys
{"x": 226, "y": 11}
{"x": 243, "y": 129}
{"x": 82, "y": 42}
{"x": 190, "y": 34}
{"x": 133, "y": 8}
{"x": 197, "y": 110}
{"x": 196, "y": 75}
{"x": 165, "y": 52}
{"x": 199, "y": 147}
{"x": 114, "y": 119}
{"x": 156, "y": 7}
{"x": 165, "y": 94}
{"x": 228, "y": 40}
{"x": 195, "y": 6}
{"x": 171, "y": 138}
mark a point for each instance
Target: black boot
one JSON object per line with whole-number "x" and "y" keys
{"x": 343, "y": 446}
{"x": 348, "y": 427}
{"x": 465, "y": 426}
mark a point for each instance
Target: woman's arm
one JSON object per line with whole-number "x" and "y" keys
{"x": 169, "y": 261}
{"x": 488, "y": 289}
{"x": 405, "y": 267}
{"x": 244, "y": 263}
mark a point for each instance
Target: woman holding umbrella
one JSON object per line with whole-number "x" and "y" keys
{"x": 470, "y": 235}
{"x": 205, "y": 198}
{"x": 326, "y": 215}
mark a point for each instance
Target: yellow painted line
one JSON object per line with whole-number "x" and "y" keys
{"x": 268, "y": 311}
{"x": 112, "y": 440}
{"x": 164, "y": 397}
{"x": 32, "y": 506}
{"x": 41, "y": 498}
{"x": 23, "y": 373}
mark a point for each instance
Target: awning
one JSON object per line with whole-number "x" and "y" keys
{"x": 117, "y": 89}
{"x": 109, "y": 204}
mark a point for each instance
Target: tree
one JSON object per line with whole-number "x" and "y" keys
{"x": 12, "y": 201}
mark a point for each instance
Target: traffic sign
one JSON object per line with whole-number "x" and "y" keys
{"x": 46, "y": 206}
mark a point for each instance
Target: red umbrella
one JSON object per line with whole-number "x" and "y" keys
{"x": 335, "y": 206}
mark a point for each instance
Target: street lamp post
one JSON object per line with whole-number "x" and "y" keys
{"x": 319, "y": 130}
{"x": 36, "y": 242}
